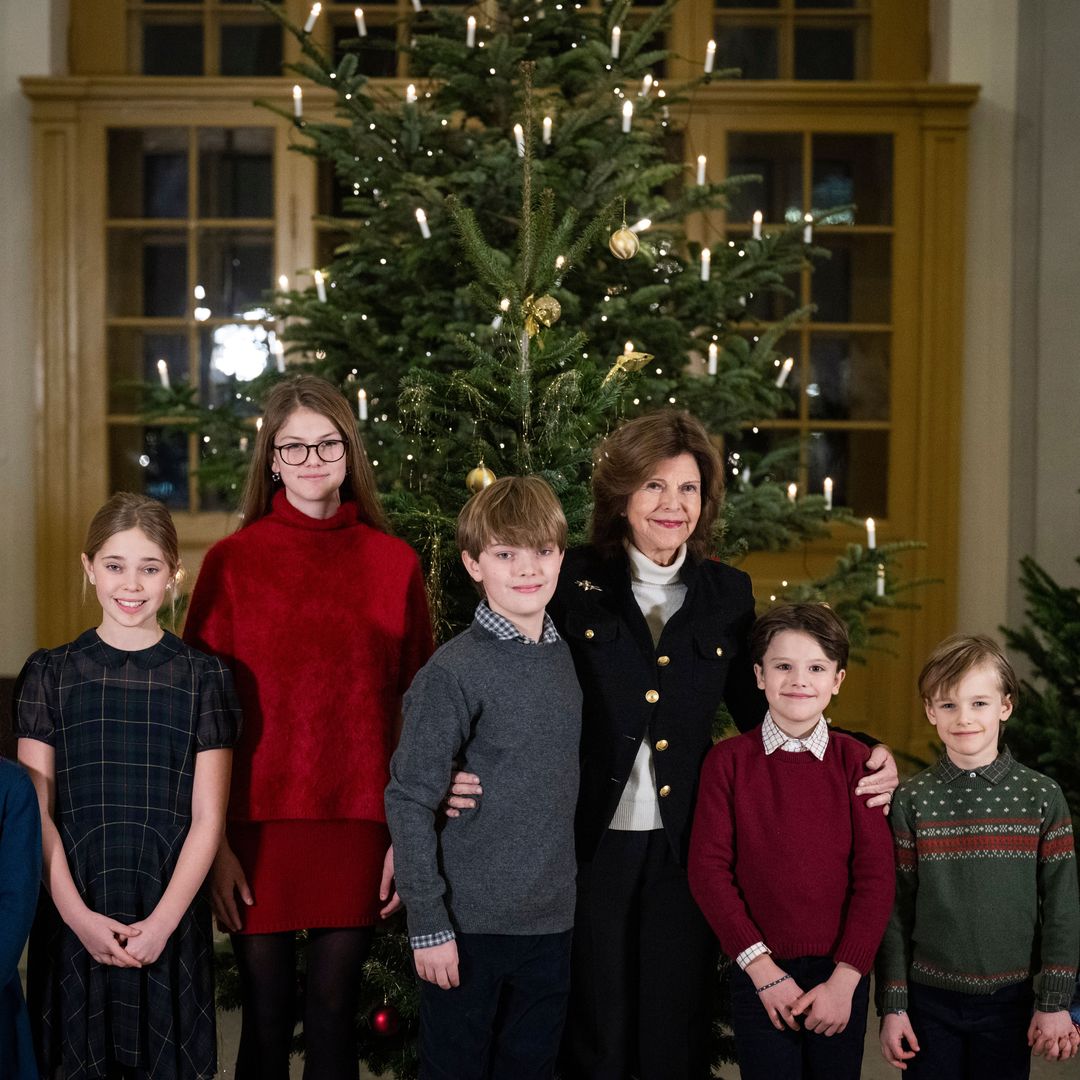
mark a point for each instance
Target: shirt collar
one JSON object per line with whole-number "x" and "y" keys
{"x": 774, "y": 739}
{"x": 111, "y": 657}
{"x": 644, "y": 570}
{"x": 947, "y": 770}
{"x": 502, "y": 628}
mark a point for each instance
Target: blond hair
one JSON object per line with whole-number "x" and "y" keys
{"x": 521, "y": 511}
{"x": 316, "y": 394}
{"x": 955, "y": 657}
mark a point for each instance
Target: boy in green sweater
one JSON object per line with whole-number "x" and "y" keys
{"x": 986, "y": 924}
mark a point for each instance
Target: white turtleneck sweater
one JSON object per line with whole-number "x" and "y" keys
{"x": 659, "y": 593}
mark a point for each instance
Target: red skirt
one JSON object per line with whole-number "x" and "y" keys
{"x": 309, "y": 874}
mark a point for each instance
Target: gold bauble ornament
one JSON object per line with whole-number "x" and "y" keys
{"x": 479, "y": 478}
{"x": 542, "y": 312}
{"x": 624, "y": 244}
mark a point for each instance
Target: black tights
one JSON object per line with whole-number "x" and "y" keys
{"x": 267, "y": 965}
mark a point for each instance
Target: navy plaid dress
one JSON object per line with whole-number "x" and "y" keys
{"x": 126, "y": 727}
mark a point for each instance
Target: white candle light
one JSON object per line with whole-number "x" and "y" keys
{"x": 710, "y": 56}
{"x": 421, "y": 220}
{"x": 641, "y": 225}
{"x": 361, "y": 26}
{"x": 410, "y": 93}
{"x": 258, "y": 424}
{"x": 243, "y": 444}
{"x": 320, "y": 286}
{"x": 297, "y": 102}
{"x": 792, "y": 492}
{"x": 519, "y": 138}
{"x": 808, "y": 228}
{"x": 706, "y": 263}
{"x": 646, "y": 85}
{"x": 361, "y": 403}
{"x": 712, "y": 357}
{"x": 627, "y": 116}
{"x": 163, "y": 373}
{"x": 628, "y": 348}
{"x": 785, "y": 371}
{"x": 470, "y": 32}
{"x": 871, "y": 534}
{"x": 758, "y": 218}
{"x": 702, "y": 160}
{"x": 278, "y": 349}
{"x": 881, "y": 579}
{"x": 547, "y": 130}
{"x": 417, "y": 6}
{"x": 283, "y": 282}
{"x": 616, "y": 40}
{"x": 828, "y": 486}
{"x": 313, "y": 14}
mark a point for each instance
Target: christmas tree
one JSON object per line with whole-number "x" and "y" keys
{"x": 1044, "y": 731}
{"x": 512, "y": 280}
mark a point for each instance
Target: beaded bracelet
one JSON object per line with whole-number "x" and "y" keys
{"x": 769, "y": 986}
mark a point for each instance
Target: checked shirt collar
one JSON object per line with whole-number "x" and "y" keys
{"x": 775, "y": 739}
{"x": 502, "y": 628}
{"x": 947, "y": 771}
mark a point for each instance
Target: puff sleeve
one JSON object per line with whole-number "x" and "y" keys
{"x": 35, "y": 700}
{"x": 218, "y": 724}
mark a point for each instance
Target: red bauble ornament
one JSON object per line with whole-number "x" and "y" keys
{"x": 385, "y": 1020}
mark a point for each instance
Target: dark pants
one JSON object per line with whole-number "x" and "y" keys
{"x": 643, "y": 967}
{"x": 970, "y": 1036}
{"x": 768, "y": 1054}
{"x": 505, "y": 1020}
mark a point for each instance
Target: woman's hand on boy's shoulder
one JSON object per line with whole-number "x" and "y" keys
{"x": 462, "y": 794}
{"x": 1053, "y": 1035}
{"x": 883, "y": 780}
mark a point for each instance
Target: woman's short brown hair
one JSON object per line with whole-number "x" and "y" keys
{"x": 956, "y": 656}
{"x": 521, "y": 511}
{"x": 625, "y": 459}
{"x": 316, "y": 394}
{"x": 819, "y": 621}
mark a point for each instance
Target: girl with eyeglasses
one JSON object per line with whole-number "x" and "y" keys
{"x": 323, "y": 618}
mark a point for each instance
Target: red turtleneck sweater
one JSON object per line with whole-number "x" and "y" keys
{"x": 323, "y": 623}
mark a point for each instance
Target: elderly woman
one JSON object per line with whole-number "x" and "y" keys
{"x": 659, "y": 634}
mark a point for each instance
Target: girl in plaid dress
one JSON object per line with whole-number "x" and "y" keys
{"x": 127, "y": 735}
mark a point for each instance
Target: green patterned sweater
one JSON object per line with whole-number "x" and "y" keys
{"x": 986, "y": 888}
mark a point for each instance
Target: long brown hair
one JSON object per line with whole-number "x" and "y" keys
{"x": 624, "y": 460}
{"x": 316, "y": 394}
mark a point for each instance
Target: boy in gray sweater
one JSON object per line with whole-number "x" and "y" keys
{"x": 490, "y": 894}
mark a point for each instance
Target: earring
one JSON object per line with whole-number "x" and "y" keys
{"x": 275, "y": 477}
{"x": 92, "y": 581}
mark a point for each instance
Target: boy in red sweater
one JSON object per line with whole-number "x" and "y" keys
{"x": 793, "y": 872}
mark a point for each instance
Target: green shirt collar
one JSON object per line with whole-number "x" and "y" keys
{"x": 946, "y": 771}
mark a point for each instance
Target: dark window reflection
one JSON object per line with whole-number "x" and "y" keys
{"x": 152, "y": 461}
{"x": 826, "y": 4}
{"x": 772, "y": 454}
{"x": 854, "y": 169}
{"x": 858, "y": 462}
{"x": 849, "y": 377}
{"x": 777, "y": 160}
{"x": 752, "y": 49}
{"x": 147, "y": 271}
{"x": 172, "y": 49}
{"x": 854, "y": 283}
{"x": 747, "y": 3}
{"x": 250, "y": 48}
{"x": 824, "y": 52}
{"x": 148, "y": 173}
{"x": 235, "y": 269}
{"x": 772, "y": 306}
{"x": 133, "y": 359}
{"x": 377, "y": 53}
{"x": 236, "y": 172}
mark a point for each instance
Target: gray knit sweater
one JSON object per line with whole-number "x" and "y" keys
{"x": 509, "y": 711}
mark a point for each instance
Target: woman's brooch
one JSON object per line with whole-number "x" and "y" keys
{"x": 586, "y": 585}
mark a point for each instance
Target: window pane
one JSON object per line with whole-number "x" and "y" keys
{"x": 747, "y": 3}
{"x": 854, "y": 284}
{"x": 849, "y": 377}
{"x": 753, "y": 446}
{"x": 858, "y": 462}
{"x": 752, "y": 49}
{"x": 230, "y": 357}
{"x": 776, "y": 158}
{"x": 235, "y": 269}
{"x": 773, "y": 306}
{"x": 824, "y": 52}
{"x": 327, "y": 243}
{"x": 148, "y": 173}
{"x": 826, "y": 4}
{"x": 151, "y": 461}
{"x": 250, "y": 48}
{"x": 133, "y": 358}
{"x": 172, "y": 49}
{"x": 236, "y": 172}
{"x": 147, "y": 271}
{"x": 854, "y": 169}
{"x": 377, "y": 52}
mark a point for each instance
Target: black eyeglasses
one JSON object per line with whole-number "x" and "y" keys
{"x": 296, "y": 453}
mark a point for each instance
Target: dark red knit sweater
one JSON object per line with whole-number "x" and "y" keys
{"x": 783, "y": 852}
{"x": 323, "y": 623}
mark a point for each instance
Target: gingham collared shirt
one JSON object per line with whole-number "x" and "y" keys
{"x": 774, "y": 739}
{"x": 504, "y": 630}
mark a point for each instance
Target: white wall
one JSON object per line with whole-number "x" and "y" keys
{"x": 32, "y": 42}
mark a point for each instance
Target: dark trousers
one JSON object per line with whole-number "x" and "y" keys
{"x": 644, "y": 965}
{"x": 970, "y": 1036}
{"x": 768, "y": 1054}
{"x": 505, "y": 1020}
